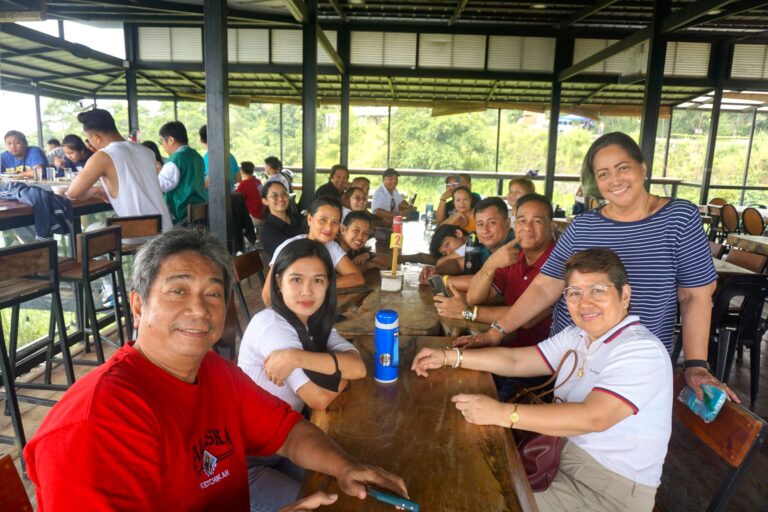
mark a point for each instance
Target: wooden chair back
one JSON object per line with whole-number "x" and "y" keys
{"x": 730, "y": 218}
{"x": 717, "y": 201}
{"x": 13, "y": 496}
{"x": 249, "y": 264}
{"x": 138, "y": 226}
{"x": 716, "y": 249}
{"x": 197, "y": 214}
{"x": 749, "y": 260}
{"x": 98, "y": 243}
{"x": 33, "y": 259}
{"x": 752, "y": 222}
{"x": 227, "y": 345}
{"x": 734, "y": 436}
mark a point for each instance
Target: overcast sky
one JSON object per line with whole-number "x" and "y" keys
{"x": 17, "y": 111}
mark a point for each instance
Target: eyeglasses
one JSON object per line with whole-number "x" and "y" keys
{"x": 161, "y": 140}
{"x": 597, "y": 292}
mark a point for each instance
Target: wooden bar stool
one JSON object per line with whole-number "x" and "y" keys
{"x": 136, "y": 231}
{"x": 27, "y": 272}
{"x": 87, "y": 269}
{"x": 197, "y": 215}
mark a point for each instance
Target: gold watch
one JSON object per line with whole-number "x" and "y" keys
{"x": 514, "y": 417}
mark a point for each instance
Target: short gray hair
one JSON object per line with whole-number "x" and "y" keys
{"x": 150, "y": 257}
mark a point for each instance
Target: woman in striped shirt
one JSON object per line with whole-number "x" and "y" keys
{"x": 662, "y": 244}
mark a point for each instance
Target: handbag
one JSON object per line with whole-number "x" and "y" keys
{"x": 540, "y": 453}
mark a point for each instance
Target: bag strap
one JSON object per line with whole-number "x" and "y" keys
{"x": 549, "y": 381}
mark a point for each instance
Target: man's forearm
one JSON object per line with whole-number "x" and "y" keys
{"x": 308, "y": 447}
{"x": 489, "y": 314}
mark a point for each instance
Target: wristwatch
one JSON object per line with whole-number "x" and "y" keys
{"x": 498, "y": 327}
{"x": 696, "y": 363}
{"x": 514, "y": 417}
{"x": 467, "y": 313}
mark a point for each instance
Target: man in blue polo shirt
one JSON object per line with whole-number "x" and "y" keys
{"x": 20, "y": 159}
{"x": 234, "y": 168}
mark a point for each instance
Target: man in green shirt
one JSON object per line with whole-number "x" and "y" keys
{"x": 182, "y": 178}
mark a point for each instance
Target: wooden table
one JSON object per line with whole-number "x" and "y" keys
{"x": 725, "y": 269}
{"x": 413, "y": 304}
{"x": 751, "y": 243}
{"x": 412, "y": 429}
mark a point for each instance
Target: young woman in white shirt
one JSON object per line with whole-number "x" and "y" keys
{"x": 324, "y": 219}
{"x": 292, "y": 351}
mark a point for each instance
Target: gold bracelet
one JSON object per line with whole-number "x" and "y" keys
{"x": 489, "y": 276}
{"x": 445, "y": 358}
{"x": 445, "y": 279}
{"x": 474, "y": 314}
{"x": 460, "y": 358}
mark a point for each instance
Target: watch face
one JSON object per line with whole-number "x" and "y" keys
{"x": 514, "y": 417}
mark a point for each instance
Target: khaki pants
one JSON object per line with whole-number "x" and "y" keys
{"x": 583, "y": 484}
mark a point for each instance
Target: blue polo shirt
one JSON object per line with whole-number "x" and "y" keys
{"x": 233, "y": 168}
{"x": 9, "y": 164}
{"x": 485, "y": 252}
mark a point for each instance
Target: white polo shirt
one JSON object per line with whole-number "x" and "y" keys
{"x": 268, "y": 331}
{"x": 334, "y": 250}
{"x": 631, "y": 364}
{"x": 382, "y": 198}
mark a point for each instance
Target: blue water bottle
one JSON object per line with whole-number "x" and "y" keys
{"x": 387, "y": 347}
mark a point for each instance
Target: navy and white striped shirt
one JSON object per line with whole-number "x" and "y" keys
{"x": 661, "y": 253}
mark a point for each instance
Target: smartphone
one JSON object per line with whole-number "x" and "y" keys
{"x": 396, "y": 501}
{"x": 437, "y": 284}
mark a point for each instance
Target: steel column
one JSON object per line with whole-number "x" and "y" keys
{"x": 749, "y": 156}
{"x": 669, "y": 136}
{"x": 499, "y": 182}
{"x": 309, "y": 104}
{"x": 175, "y": 108}
{"x": 131, "y": 88}
{"x": 217, "y": 109}
{"x": 344, "y": 51}
{"x": 563, "y": 58}
{"x": 39, "y": 119}
{"x": 654, "y": 80}
{"x": 389, "y": 133}
{"x": 719, "y": 64}
{"x": 281, "y": 132}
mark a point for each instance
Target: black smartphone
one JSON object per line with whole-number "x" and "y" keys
{"x": 437, "y": 284}
{"x": 413, "y": 199}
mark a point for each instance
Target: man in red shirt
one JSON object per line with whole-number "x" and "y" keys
{"x": 508, "y": 272}
{"x": 250, "y": 187}
{"x": 166, "y": 424}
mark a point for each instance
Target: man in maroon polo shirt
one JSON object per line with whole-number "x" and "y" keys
{"x": 508, "y": 272}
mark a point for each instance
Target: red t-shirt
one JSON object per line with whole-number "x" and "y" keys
{"x": 129, "y": 436}
{"x": 511, "y": 282}
{"x": 250, "y": 189}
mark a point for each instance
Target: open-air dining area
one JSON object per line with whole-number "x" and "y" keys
{"x": 363, "y": 255}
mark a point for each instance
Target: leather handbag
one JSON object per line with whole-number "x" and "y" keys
{"x": 540, "y": 453}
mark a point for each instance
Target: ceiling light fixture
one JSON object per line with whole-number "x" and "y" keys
{"x": 538, "y": 6}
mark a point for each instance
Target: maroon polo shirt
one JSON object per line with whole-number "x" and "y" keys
{"x": 511, "y": 282}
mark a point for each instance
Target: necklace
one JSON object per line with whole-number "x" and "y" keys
{"x": 649, "y": 206}
{"x": 585, "y": 363}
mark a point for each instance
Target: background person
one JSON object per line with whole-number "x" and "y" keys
{"x": 660, "y": 241}
{"x": 388, "y": 202}
{"x": 518, "y": 187}
{"x": 126, "y": 171}
{"x": 337, "y": 183}
{"x": 75, "y": 155}
{"x": 616, "y": 409}
{"x": 159, "y": 160}
{"x": 356, "y": 230}
{"x": 250, "y": 187}
{"x": 19, "y": 159}
{"x": 462, "y": 216}
{"x": 280, "y": 224}
{"x": 273, "y": 168}
{"x": 323, "y": 219}
{"x": 363, "y": 183}
{"x": 182, "y": 178}
{"x": 234, "y": 169}
{"x": 173, "y": 420}
{"x": 53, "y": 150}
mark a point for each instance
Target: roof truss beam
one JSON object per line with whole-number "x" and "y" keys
{"x": 300, "y": 12}
{"x": 457, "y": 12}
{"x": 586, "y": 13}
{"x": 682, "y": 18}
{"x": 339, "y": 9}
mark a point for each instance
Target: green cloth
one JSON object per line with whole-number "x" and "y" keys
{"x": 191, "y": 186}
